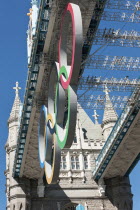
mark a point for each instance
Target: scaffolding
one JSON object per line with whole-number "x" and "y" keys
{"x": 98, "y": 83}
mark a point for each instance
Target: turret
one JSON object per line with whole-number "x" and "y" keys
{"x": 13, "y": 125}
{"x": 14, "y": 115}
{"x": 109, "y": 117}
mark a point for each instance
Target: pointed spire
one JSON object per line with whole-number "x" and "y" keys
{"x": 16, "y": 105}
{"x": 109, "y": 117}
{"x": 95, "y": 117}
{"x": 110, "y": 114}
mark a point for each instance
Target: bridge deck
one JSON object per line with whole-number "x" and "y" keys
{"x": 121, "y": 150}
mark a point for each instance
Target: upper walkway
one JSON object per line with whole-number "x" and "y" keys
{"x": 121, "y": 151}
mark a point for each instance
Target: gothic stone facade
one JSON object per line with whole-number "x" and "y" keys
{"x": 75, "y": 185}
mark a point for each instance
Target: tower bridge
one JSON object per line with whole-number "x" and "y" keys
{"x": 38, "y": 76}
{"x": 93, "y": 171}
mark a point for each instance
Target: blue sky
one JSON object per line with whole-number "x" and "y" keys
{"x": 13, "y": 67}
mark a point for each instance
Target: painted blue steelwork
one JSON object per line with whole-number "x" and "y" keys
{"x": 116, "y": 136}
{"x": 80, "y": 207}
{"x": 30, "y": 85}
{"x": 92, "y": 30}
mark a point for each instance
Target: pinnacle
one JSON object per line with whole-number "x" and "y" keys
{"x": 16, "y": 105}
{"x": 110, "y": 114}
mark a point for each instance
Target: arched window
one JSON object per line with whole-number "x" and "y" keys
{"x": 86, "y": 165}
{"x": 75, "y": 164}
{"x": 63, "y": 164}
{"x": 84, "y": 133}
{"x": 75, "y": 140}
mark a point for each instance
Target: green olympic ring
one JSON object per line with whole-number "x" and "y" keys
{"x": 59, "y": 130}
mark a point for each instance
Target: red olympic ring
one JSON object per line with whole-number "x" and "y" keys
{"x": 71, "y": 12}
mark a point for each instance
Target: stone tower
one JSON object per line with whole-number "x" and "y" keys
{"x": 16, "y": 196}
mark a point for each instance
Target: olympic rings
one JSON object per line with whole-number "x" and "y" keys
{"x": 45, "y": 143}
{"x": 42, "y": 136}
{"x": 67, "y": 115}
{"x": 58, "y": 121}
{"x": 49, "y": 159}
{"x": 71, "y": 14}
{"x": 61, "y": 129}
{"x": 52, "y": 163}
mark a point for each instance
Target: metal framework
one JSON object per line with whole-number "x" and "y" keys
{"x": 133, "y": 6}
{"x": 123, "y": 5}
{"x": 121, "y": 17}
{"x": 122, "y": 63}
{"x": 104, "y": 62}
{"x": 93, "y": 81}
{"x": 89, "y": 101}
{"x": 113, "y": 37}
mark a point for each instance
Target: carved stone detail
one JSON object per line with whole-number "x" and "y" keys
{"x": 102, "y": 187}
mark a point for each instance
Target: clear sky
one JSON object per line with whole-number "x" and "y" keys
{"x": 13, "y": 67}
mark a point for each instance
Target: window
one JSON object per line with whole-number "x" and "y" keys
{"x": 75, "y": 164}
{"x": 63, "y": 164}
{"x": 20, "y": 207}
{"x": 86, "y": 162}
{"x": 75, "y": 140}
{"x": 84, "y": 133}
